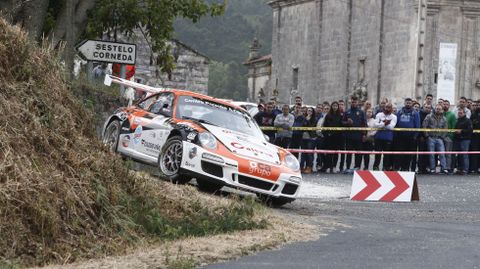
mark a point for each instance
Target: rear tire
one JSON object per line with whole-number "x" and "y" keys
{"x": 111, "y": 135}
{"x": 170, "y": 159}
{"x": 208, "y": 186}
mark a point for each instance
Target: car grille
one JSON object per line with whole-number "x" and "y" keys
{"x": 289, "y": 189}
{"x": 212, "y": 169}
{"x": 253, "y": 182}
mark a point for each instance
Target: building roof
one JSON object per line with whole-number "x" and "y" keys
{"x": 190, "y": 48}
{"x": 265, "y": 58}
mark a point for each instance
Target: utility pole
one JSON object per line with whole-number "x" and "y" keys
{"x": 420, "y": 50}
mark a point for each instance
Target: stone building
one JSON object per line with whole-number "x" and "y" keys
{"x": 259, "y": 73}
{"x": 329, "y": 49}
{"x": 191, "y": 72}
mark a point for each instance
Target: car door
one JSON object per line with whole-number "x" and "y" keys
{"x": 153, "y": 124}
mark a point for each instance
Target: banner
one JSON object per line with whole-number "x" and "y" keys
{"x": 447, "y": 72}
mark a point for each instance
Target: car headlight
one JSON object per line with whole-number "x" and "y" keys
{"x": 292, "y": 162}
{"x": 207, "y": 140}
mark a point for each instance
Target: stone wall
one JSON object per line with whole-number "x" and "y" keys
{"x": 191, "y": 72}
{"x": 334, "y": 43}
{"x": 295, "y": 47}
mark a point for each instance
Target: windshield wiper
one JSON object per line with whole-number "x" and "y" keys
{"x": 199, "y": 120}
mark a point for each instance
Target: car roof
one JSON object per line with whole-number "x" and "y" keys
{"x": 203, "y": 96}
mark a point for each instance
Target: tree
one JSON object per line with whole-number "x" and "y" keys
{"x": 94, "y": 18}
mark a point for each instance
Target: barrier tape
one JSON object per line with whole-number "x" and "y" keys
{"x": 381, "y": 152}
{"x": 271, "y": 128}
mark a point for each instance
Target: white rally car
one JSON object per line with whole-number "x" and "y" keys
{"x": 189, "y": 135}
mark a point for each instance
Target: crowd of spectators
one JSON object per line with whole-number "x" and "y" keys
{"x": 385, "y": 117}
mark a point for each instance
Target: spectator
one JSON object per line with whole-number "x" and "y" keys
{"x": 413, "y": 162}
{"x": 265, "y": 119}
{"x": 383, "y": 138}
{"x": 333, "y": 141}
{"x": 428, "y": 100}
{"x": 448, "y": 141}
{"x": 380, "y": 107}
{"x": 469, "y": 104}
{"x": 367, "y": 143}
{"x": 308, "y": 141}
{"x": 296, "y": 141}
{"x": 416, "y": 106}
{"x": 261, "y": 108}
{"x": 341, "y": 108}
{"x": 435, "y": 139}
{"x": 285, "y": 122}
{"x": 366, "y": 106}
{"x": 407, "y": 117}
{"x": 475, "y": 142}
{"x": 354, "y": 117}
{"x": 298, "y": 102}
{"x": 321, "y": 139}
{"x": 276, "y": 110}
{"x": 440, "y": 102}
{"x": 423, "y": 160}
{"x": 319, "y": 111}
{"x": 462, "y": 102}
{"x": 462, "y": 141}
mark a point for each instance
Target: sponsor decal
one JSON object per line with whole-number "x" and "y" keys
{"x": 193, "y": 153}
{"x": 137, "y": 134}
{"x": 253, "y": 150}
{"x": 126, "y": 141}
{"x": 191, "y": 165}
{"x": 153, "y": 135}
{"x": 125, "y": 129}
{"x": 150, "y": 145}
{"x": 260, "y": 169}
{"x": 191, "y": 136}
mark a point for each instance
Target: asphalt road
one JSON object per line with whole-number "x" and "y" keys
{"x": 442, "y": 230}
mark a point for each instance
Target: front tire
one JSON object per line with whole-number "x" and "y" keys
{"x": 170, "y": 160}
{"x": 111, "y": 135}
{"x": 274, "y": 201}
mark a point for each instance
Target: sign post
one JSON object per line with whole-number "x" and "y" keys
{"x": 106, "y": 51}
{"x": 109, "y": 52}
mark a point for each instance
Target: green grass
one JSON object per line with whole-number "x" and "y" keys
{"x": 200, "y": 221}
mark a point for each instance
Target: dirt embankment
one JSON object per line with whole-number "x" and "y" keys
{"x": 65, "y": 198}
{"x": 63, "y": 195}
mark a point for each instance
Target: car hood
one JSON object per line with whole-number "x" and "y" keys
{"x": 246, "y": 145}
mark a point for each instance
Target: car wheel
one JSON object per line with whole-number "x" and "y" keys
{"x": 170, "y": 160}
{"x": 111, "y": 135}
{"x": 274, "y": 201}
{"x": 208, "y": 186}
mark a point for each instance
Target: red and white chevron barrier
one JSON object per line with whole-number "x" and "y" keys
{"x": 385, "y": 186}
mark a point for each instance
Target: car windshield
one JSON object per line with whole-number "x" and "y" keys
{"x": 217, "y": 114}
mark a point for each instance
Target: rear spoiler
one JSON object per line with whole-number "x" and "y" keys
{"x": 109, "y": 79}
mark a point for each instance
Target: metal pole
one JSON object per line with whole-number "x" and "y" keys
{"x": 123, "y": 71}
{"x": 89, "y": 71}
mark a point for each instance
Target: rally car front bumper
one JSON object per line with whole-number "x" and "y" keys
{"x": 200, "y": 162}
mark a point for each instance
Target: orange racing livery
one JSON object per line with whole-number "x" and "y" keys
{"x": 189, "y": 135}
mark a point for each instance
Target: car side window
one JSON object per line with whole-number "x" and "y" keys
{"x": 145, "y": 104}
{"x": 162, "y": 105}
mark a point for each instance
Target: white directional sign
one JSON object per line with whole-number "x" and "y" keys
{"x": 110, "y": 52}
